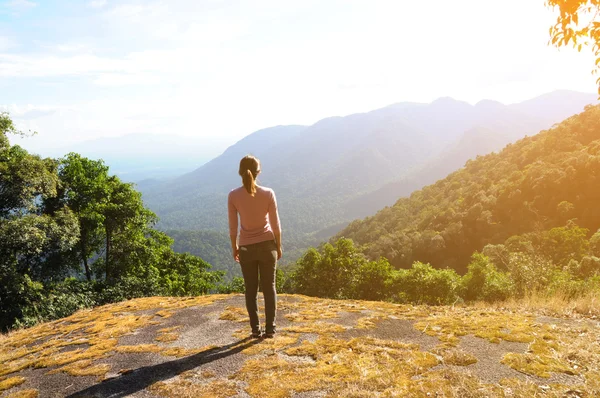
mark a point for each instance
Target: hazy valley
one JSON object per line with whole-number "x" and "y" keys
{"x": 343, "y": 168}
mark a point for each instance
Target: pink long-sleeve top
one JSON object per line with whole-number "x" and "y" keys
{"x": 258, "y": 215}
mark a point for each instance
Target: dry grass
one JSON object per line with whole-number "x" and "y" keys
{"x": 164, "y": 314}
{"x": 138, "y": 348}
{"x": 169, "y": 329}
{"x": 566, "y": 348}
{"x": 366, "y": 364}
{"x": 535, "y": 365}
{"x": 83, "y": 368}
{"x": 99, "y": 329}
{"x": 11, "y": 382}
{"x": 167, "y": 335}
{"x": 208, "y": 374}
{"x": 493, "y": 326}
{"x": 270, "y": 346}
{"x": 314, "y": 314}
{"x": 369, "y": 322}
{"x": 453, "y": 356}
{"x": 241, "y": 333}
{"x": 180, "y": 352}
{"x": 235, "y": 314}
{"x": 316, "y": 328}
{"x": 29, "y": 393}
{"x": 559, "y": 304}
{"x": 187, "y": 389}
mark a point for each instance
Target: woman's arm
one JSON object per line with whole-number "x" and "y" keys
{"x": 275, "y": 224}
{"x": 233, "y": 228}
{"x": 278, "y": 241}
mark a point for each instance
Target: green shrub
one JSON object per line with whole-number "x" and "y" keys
{"x": 587, "y": 267}
{"x": 565, "y": 284}
{"x": 330, "y": 272}
{"x": 373, "y": 280}
{"x": 280, "y": 281}
{"x": 595, "y": 244}
{"x": 182, "y": 274}
{"x": 54, "y": 301}
{"x": 423, "y": 284}
{"x": 236, "y": 285}
{"x": 127, "y": 288}
{"x": 484, "y": 282}
{"x": 529, "y": 272}
{"x": 562, "y": 244}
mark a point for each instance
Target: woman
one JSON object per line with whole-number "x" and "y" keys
{"x": 259, "y": 245}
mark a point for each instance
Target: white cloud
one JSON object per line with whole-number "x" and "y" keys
{"x": 51, "y": 65}
{"x": 97, "y": 3}
{"x": 29, "y": 111}
{"x": 18, "y": 6}
{"x": 6, "y": 43}
{"x": 71, "y": 47}
{"x": 124, "y": 79}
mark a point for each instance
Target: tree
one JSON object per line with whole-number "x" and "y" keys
{"x": 331, "y": 273}
{"x": 595, "y": 244}
{"x": 123, "y": 212}
{"x": 484, "y": 282}
{"x": 28, "y": 236}
{"x": 83, "y": 188}
{"x": 577, "y": 25}
{"x": 373, "y": 281}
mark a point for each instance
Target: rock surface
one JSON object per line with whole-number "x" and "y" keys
{"x": 200, "y": 347}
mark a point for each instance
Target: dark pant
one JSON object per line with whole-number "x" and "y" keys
{"x": 260, "y": 259}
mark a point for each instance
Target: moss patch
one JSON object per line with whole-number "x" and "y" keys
{"x": 187, "y": 389}
{"x": 315, "y": 327}
{"x": 453, "y": 356}
{"x": 83, "y": 368}
{"x": 180, "y": 352}
{"x": 11, "y": 382}
{"x": 366, "y": 364}
{"x": 490, "y": 325}
{"x": 99, "y": 329}
{"x": 29, "y": 393}
{"x": 236, "y": 314}
{"x": 139, "y": 348}
{"x": 271, "y": 346}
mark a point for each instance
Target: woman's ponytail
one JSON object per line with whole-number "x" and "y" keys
{"x": 249, "y": 182}
{"x": 249, "y": 169}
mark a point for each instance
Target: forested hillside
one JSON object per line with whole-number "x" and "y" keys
{"x": 478, "y": 141}
{"x": 534, "y": 185}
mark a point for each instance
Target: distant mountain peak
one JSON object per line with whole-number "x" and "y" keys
{"x": 445, "y": 100}
{"x": 489, "y": 104}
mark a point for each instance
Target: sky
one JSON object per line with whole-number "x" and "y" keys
{"x": 213, "y": 71}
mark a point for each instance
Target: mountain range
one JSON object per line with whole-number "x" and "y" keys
{"x": 343, "y": 168}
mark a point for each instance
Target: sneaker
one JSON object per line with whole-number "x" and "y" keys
{"x": 269, "y": 335}
{"x": 256, "y": 335}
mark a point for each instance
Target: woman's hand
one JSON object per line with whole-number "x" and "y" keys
{"x": 235, "y": 249}
{"x": 279, "y": 252}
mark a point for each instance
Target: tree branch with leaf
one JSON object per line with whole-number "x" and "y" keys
{"x": 577, "y": 25}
